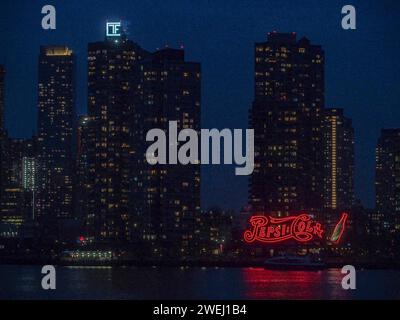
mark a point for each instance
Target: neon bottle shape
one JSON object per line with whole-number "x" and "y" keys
{"x": 339, "y": 228}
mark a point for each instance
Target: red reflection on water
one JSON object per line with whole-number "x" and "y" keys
{"x": 270, "y": 284}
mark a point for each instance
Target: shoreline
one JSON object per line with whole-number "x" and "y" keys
{"x": 188, "y": 264}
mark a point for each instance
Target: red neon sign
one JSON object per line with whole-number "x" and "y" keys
{"x": 270, "y": 230}
{"x": 301, "y": 228}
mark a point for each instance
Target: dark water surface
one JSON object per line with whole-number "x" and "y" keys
{"x": 24, "y": 282}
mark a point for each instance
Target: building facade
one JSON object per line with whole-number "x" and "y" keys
{"x": 3, "y": 133}
{"x": 168, "y": 196}
{"x": 56, "y": 114}
{"x": 82, "y": 185}
{"x": 109, "y": 138}
{"x": 17, "y": 198}
{"x": 2, "y": 97}
{"x": 338, "y": 148}
{"x": 286, "y": 117}
{"x": 386, "y": 218}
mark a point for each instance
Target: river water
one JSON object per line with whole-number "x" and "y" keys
{"x": 24, "y": 282}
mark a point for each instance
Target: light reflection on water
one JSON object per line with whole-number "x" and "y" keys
{"x": 24, "y": 282}
{"x": 267, "y": 284}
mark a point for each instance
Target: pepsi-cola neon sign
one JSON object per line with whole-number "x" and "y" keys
{"x": 301, "y": 228}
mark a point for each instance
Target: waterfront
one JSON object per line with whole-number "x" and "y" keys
{"x": 24, "y": 282}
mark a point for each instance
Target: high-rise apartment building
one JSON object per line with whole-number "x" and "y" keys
{"x": 386, "y": 218}
{"x": 286, "y": 116}
{"x": 338, "y": 139}
{"x": 109, "y": 138}
{"x": 168, "y": 196}
{"x": 83, "y": 188}
{"x": 56, "y": 114}
{"x": 2, "y": 97}
{"x": 2, "y": 128}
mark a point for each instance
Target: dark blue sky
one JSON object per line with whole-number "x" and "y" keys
{"x": 362, "y": 66}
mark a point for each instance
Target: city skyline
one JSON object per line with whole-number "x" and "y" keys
{"x": 69, "y": 121}
{"x": 304, "y": 149}
{"x": 76, "y": 119}
{"x": 241, "y": 150}
{"x": 217, "y": 116}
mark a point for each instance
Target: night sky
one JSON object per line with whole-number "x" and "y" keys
{"x": 362, "y": 66}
